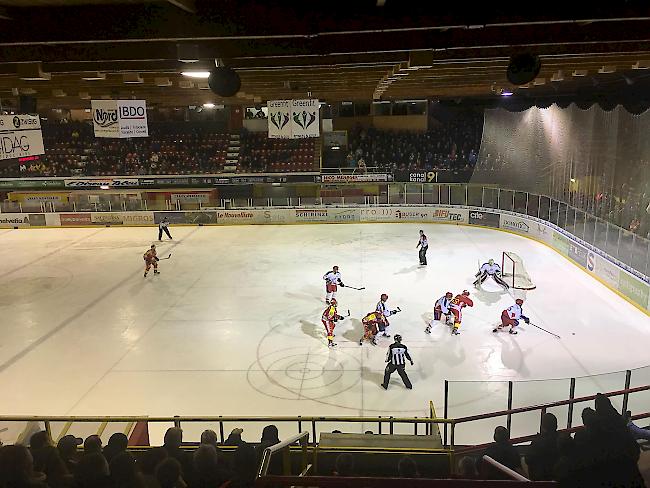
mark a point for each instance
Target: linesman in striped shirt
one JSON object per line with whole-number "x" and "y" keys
{"x": 396, "y": 359}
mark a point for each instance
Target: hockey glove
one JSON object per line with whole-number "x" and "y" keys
{"x": 526, "y": 319}
{"x": 157, "y": 258}
{"x": 341, "y": 284}
{"x": 340, "y": 317}
{"x": 411, "y": 362}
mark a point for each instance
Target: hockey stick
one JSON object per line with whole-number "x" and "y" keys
{"x": 355, "y": 288}
{"x": 541, "y": 328}
{"x": 170, "y": 255}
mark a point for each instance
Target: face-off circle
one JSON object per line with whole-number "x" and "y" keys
{"x": 304, "y": 375}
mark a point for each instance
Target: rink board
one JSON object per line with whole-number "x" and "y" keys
{"x": 622, "y": 279}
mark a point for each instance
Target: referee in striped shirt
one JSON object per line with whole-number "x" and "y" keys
{"x": 396, "y": 359}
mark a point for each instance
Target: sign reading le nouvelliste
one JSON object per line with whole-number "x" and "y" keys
{"x": 120, "y": 118}
{"x": 20, "y": 136}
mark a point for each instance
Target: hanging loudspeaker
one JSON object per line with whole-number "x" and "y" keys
{"x": 225, "y": 82}
{"x": 523, "y": 68}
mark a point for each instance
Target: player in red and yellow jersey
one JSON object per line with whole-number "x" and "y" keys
{"x": 457, "y": 304}
{"x": 329, "y": 319}
{"x": 371, "y": 323}
{"x": 150, "y": 259}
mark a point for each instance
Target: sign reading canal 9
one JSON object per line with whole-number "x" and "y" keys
{"x": 20, "y": 136}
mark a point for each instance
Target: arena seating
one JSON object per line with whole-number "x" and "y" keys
{"x": 72, "y": 150}
{"x": 607, "y": 451}
{"x": 264, "y": 155}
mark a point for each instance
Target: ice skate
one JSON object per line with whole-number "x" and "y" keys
{"x": 455, "y": 331}
{"x": 428, "y": 329}
{"x": 331, "y": 344}
{"x": 156, "y": 272}
{"x": 385, "y": 335}
{"x": 145, "y": 274}
{"x": 513, "y": 332}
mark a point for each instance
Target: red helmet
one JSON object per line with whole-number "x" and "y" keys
{"x": 383, "y": 297}
{"x": 449, "y": 294}
{"x": 519, "y": 301}
{"x": 465, "y": 292}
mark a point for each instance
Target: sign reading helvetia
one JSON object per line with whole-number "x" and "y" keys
{"x": 20, "y": 136}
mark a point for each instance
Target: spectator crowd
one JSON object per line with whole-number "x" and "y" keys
{"x": 453, "y": 146}
{"x": 604, "y": 453}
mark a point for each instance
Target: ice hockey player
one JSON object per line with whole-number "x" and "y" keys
{"x": 490, "y": 269}
{"x": 511, "y": 315}
{"x": 371, "y": 323}
{"x": 329, "y": 319}
{"x": 150, "y": 259}
{"x": 396, "y": 359}
{"x": 383, "y": 309}
{"x": 457, "y": 304}
{"x": 332, "y": 279}
{"x": 440, "y": 309}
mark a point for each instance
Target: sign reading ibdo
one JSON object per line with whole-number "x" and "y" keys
{"x": 120, "y": 118}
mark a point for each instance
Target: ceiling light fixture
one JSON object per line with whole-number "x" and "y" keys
{"x": 208, "y": 105}
{"x": 196, "y": 74}
{"x": 506, "y": 93}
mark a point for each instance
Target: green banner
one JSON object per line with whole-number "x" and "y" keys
{"x": 20, "y": 184}
{"x": 561, "y": 243}
{"x": 635, "y": 290}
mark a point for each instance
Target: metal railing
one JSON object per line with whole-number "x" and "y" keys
{"x": 283, "y": 446}
{"x": 628, "y": 248}
{"x": 504, "y": 469}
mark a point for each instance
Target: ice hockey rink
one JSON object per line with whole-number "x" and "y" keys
{"x": 232, "y": 324}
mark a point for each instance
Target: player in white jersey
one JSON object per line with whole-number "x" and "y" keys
{"x": 490, "y": 269}
{"x": 440, "y": 309}
{"x": 511, "y": 315}
{"x": 332, "y": 280}
{"x": 383, "y": 309}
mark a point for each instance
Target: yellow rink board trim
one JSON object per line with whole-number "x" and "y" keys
{"x": 601, "y": 281}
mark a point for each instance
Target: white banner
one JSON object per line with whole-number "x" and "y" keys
{"x": 120, "y": 118}
{"x": 20, "y": 136}
{"x": 105, "y": 118}
{"x": 360, "y": 178}
{"x": 97, "y": 182}
{"x": 279, "y": 119}
{"x": 133, "y": 118}
{"x": 305, "y": 120}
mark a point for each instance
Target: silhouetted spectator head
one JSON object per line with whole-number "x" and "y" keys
{"x": 150, "y": 459}
{"x": 16, "y": 466}
{"x": 549, "y": 423}
{"x": 117, "y": 443}
{"x": 501, "y": 435}
{"x": 92, "y": 471}
{"x": 344, "y": 464}
{"x": 589, "y": 418}
{"x": 40, "y": 439}
{"x": 270, "y": 435}
{"x": 93, "y": 443}
{"x": 173, "y": 438}
{"x": 209, "y": 437}
{"x": 369, "y": 432}
{"x": 67, "y": 446}
{"x": 407, "y": 468}
{"x": 168, "y": 474}
{"x": 234, "y": 438}
{"x": 467, "y": 468}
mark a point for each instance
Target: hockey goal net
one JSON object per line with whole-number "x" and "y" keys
{"x": 514, "y": 273}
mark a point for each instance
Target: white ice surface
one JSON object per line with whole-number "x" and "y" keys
{"x": 232, "y": 325}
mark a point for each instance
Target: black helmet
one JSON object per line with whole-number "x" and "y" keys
{"x": 398, "y": 338}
